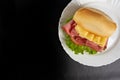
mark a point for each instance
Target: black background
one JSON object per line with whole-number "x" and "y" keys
{"x": 29, "y": 43}
{"x": 30, "y": 47}
{"x": 61, "y": 65}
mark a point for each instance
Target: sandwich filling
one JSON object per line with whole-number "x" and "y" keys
{"x": 70, "y": 29}
{"x": 91, "y": 28}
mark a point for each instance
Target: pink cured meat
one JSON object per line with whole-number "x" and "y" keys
{"x": 94, "y": 46}
{"x": 69, "y": 28}
{"x": 78, "y": 40}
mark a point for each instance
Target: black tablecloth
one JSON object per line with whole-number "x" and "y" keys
{"x": 67, "y": 68}
{"x": 30, "y": 47}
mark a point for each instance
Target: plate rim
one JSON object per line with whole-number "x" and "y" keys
{"x": 63, "y": 45}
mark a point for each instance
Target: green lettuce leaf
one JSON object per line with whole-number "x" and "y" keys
{"x": 70, "y": 18}
{"x": 77, "y": 48}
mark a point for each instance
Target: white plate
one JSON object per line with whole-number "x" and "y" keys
{"x": 112, "y": 53}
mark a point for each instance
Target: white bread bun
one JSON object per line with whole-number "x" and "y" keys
{"x": 95, "y": 21}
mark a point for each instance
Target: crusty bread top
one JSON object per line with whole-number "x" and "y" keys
{"x": 95, "y": 21}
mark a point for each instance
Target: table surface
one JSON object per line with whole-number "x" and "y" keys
{"x": 67, "y": 68}
{"x": 30, "y": 47}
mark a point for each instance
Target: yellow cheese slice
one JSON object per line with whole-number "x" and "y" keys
{"x": 101, "y": 41}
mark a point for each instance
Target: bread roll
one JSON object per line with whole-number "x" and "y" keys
{"x": 95, "y": 21}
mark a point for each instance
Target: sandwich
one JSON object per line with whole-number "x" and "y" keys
{"x": 88, "y": 31}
